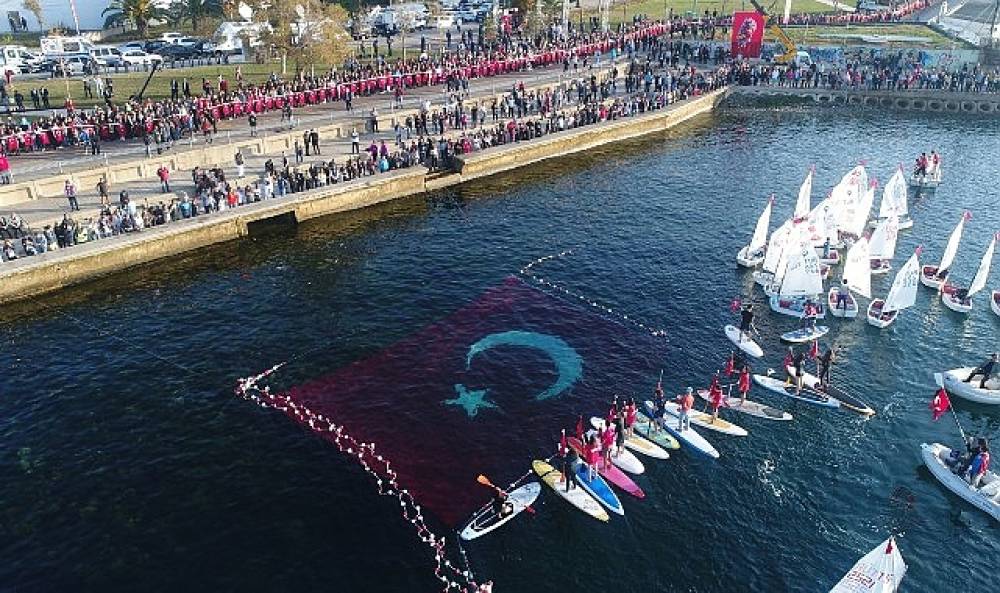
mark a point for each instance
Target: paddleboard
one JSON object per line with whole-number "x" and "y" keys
{"x": 636, "y": 442}
{"x": 575, "y": 496}
{"x": 704, "y": 420}
{"x": 749, "y": 407}
{"x": 644, "y": 425}
{"x": 610, "y": 472}
{"x": 687, "y": 436}
{"x": 487, "y": 519}
{"x": 846, "y": 400}
{"x": 805, "y": 334}
{"x": 744, "y": 342}
{"x": 807, "y": 395}
{"x": 598, "y": 488}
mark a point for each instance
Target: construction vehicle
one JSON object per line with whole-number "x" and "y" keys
{"x": 792, "y": 53}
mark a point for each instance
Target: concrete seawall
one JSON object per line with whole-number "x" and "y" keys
{"x": 32, "y": 276}
{"x": 979, "y": 104}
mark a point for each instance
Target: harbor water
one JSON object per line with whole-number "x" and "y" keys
{"x": 128, "y": 464}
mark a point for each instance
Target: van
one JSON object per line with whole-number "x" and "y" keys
{"x": 106, "y": 56}
{"x": 59, "y": 46}
{"x": 17, "y": 59}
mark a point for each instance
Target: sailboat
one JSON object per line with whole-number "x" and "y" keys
{"x": 846, "y": 198}
{"x": 857, "y": 277}
{"x": 894, "y": 201}
{"x": 859, "y": 214}
{"x": 960, "y": 301}
{"x": 802, "y": 204}
{"x": 935, "y": 276}
{"x": 882, "y": 246}
{"x": 878, "y": 571}
{"x": 902, "y": 294}
{"x": 821, "y": 228}
{"x": 774, "y": 262}
{"x": 752, "y": 255}
{"x": 801, "y": 283}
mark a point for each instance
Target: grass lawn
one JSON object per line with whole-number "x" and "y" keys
{"x": 836, "y": 36}
{"x": 159, "y": 87}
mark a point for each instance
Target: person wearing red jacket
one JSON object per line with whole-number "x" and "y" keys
{"x": 744, "y": 384}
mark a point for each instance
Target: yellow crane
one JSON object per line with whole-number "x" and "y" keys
{"x": 772, "y": 25}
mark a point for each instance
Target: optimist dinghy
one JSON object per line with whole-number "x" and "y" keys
{"x": 752, "y": 255}
{"x": 960, "y": 301}
{"x": 857, "y": 277}
{"x": 882, "y": 245}
{"x": 902, "y": 295}
{"x": 878, "y": 571}
{"x": 935, "y": 276}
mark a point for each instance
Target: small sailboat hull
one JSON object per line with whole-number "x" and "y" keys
{"x": 852, "y": 305}
{"x": 904, "y": 223}
{"x": 832, "y": 260}
{"x": 995, "y": 302}
{"x": 795, "y": 306}
{"x": 749, "y": 260}
{"x": 929, "y": 278}
{"x": 877, "y": 318}
{"x": 763, "y": 278}
{"x": 955, "y": 304}
{"x": 881, "y": 266}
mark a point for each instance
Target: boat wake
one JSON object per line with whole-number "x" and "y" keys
{"x": 765, "y": 470}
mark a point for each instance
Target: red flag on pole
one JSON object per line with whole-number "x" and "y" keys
{"x": 940, "y": 404}
{"x": 730, "y": 365}
{"x": 579, "y": 428}
{"x": 736, "y": 304}
{"x": 814, "y": 349}
{"x": 562, "y": 443}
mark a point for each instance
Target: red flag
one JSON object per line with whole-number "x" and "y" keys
{"x": 579, "y": 427}
{"x": 730, "y": 365}
{"x": 562, "y": 443}
{"x": 735, "y": 305}
{"x": 814, "y": 349}
{"x": 940, "y": 404}
{"x": 748, "y": 34}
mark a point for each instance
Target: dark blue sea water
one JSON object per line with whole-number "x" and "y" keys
{"x": 127, "y": 464}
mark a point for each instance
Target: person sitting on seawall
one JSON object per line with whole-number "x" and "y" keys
{"x": 980, "y": 465}
{"x": 986, "y": 370}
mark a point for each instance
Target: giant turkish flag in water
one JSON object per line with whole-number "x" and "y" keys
{"x": 748, "y": 34}
{"x": 484, "y": 390}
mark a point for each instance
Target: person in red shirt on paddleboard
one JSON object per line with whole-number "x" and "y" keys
{"x": 631, "y": 413}
{"x": 607, "y": 442}
{"x": 744, "y": 384}
{"x": 591, "y": 453}
{"x": 716, "y": 399}
{"x": 686, "y": 402}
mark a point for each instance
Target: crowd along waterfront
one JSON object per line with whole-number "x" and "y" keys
{"x": 208, "y": 492}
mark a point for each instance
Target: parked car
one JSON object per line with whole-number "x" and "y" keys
{"x": 108, "y": 57}
{"x": 179, "y": 52}
{"x": 154, "y": 46}
{"x": 137, "y": 57}
{"x": 132, "y": 45}
{"x": 171, "y": 38}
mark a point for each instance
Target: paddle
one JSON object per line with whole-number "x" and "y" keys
{"x": 486, "y": 482}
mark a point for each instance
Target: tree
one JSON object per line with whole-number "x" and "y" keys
{"x": 194, "y": 11}
{"x": 305, "y": 31}
{"x": 137, "y": 12}
{"x": 35, "y": 8}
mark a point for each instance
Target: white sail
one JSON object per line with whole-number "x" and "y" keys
{"x": 759, "y": 238}
{"x": 858, "y": 269}
{"x": 982, "y": 274}
{"x": 903, "y": 292}
{"x": 883, "y": 241}
{"x": 861, "y": 211}
{"x": 802, "y": 277}
{"x": 775, "y": 247}
{"x": 879, "y": 571}
{"x": 802, "y": 205}
{"x": 816, "y": 224}
{"x": 952, "y": 248}
{"x": 847, "y": 194}
{"x": 894, "y": 197}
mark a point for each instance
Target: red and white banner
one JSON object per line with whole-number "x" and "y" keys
{"x": 748, "y": 34}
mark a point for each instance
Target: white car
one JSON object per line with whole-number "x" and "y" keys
{"x": 172, "y": 37}
{"x": 131, "y": 45}
{"x": 137, "y": 57}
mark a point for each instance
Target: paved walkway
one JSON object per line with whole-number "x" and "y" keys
{"x": 71, "y": 159}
